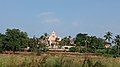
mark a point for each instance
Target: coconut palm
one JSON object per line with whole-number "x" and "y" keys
{"x": 108, "y": 36}
{"x": 117, "y": 42}
{"x": 44, "y": 38}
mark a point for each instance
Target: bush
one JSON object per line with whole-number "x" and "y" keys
{"x": 72, "y": 49}
{"x": 90, "y": 50}
{"x": 89, "y": 63}
{"x": 83, "y": 50}
{"x": 45, "y": 49}
{"x": 102, "y": 51}
{"x": 41, "y": 50}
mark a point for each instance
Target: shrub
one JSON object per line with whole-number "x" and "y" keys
{"x": 44, "y": 49}
{"x": 98, "y": 64}
{"x": 90, "y": 50}
{"x": 83, "y": 50}
{"x": 102, "y": 51}
{"x": 72, "y": 49}
{"x": 89, "y": 63}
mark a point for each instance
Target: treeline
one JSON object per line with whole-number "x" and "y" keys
{"x": 17, "y": 40}
{"x": 105, "y": 45}
{"x": 13, "y": 40}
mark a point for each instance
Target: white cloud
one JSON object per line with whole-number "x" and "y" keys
{"x": 76, "y": 24}
{"x": 53, "y": 20}
{"x": 45, "y": 14}
{"x": 48, "y": 17}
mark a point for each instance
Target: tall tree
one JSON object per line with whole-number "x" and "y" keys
{"x": 81, "y": 39}
{"x": 117, "y": 42}
{"x": 2, "y": 41}
{"x": 44, "y": 38}
{"x": 65, "y": 41}
{"x": 108, "y": 36}
{"x": 16, "y": 39}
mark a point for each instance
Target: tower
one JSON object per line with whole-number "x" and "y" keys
{"x": 52, "y": 38}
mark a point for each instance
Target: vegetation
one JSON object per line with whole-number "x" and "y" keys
{"x": 17, "y": 40}
{"x": 108, "y": 36}
{"x": 117, "y": 42}
{"x": 56, "y": 61}
{"x": 73, "y": 49}
{"x": 13, "y": 40}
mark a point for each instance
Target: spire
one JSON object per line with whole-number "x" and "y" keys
{"x": 53, "y": 33}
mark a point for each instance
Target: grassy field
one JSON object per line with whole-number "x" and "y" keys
{"x": 47, "y": 60}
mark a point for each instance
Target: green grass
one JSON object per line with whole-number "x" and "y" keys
{"x": 7, "y": 60}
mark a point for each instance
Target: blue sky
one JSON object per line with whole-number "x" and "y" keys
{"x": 66, "y": 17}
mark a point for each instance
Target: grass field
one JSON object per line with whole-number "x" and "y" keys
{"x": 47, "y": 60}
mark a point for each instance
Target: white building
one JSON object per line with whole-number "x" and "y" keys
{"x": 53, "y": 40}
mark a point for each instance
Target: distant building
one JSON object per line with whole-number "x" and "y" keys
{"x": 107, "y": 44}
{"x": 53, "y": 40}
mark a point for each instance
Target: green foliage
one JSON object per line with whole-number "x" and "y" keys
{"x": 72, "y": 49}
{"x": 117, "y": 42}
{"x": 98, "y": 64}
{"x": 81, "y": 39}
{"x": 2, "y": 36}
{"x": 16, "y": 39}
{"x": 101, "y": 51}
{"x": 83, "y": 50}
{"x": 89, "y": 63}
{"x": 108, "y": 36}
{"x": 65, "y": 41}
{"x": 89, "y": 43}
{"x": 13, "y": 39}
{"x": 56, "y": 61}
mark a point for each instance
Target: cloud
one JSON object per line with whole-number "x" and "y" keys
{"x": 45, "y": 14}
{"x": 48, "y": 17}
{"x": 75, "y": 24}
{"x": 53, "y": 20}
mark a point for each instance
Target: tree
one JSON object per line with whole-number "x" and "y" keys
{"x": 91, "y": 43}
{"x": 65, "y": 41}
{"x": 2, "y": 40}
{"x": 117, "y": 42}
{"x": 16, "y": 39}
{"x": 81, "y": 39}
{"x": 95, "y": 43}
{"x": 44, "y": 38}
{"x": 33, "y": 42}
{"x": 108, "y": 36}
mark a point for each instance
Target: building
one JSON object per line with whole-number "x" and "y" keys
{"x": 53, "y": 40}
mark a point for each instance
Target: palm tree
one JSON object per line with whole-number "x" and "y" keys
{"x": 108, "y": 36}
{"x": 65, "y": 41}
{"x": 44, "y": 38}
{"x": 69, "y": 40}
{"x": 117, "y": 42}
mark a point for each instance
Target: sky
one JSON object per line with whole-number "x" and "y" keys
{"x": 65, "y": 17}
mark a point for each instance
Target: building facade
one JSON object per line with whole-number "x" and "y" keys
{"x": 53, "y": 40}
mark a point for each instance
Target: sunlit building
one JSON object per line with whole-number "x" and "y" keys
{"x": 53, "y": 40}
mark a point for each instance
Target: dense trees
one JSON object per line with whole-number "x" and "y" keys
{"x": 17, "y": 40}
{"x": 117, "y": 42}
{"x": 2, "y": 42}
{"x": 89, "y": 43}
{"x": 13, "y": 40}
{"x": 81, "y": 39}
{"x": 65, "y": 41}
